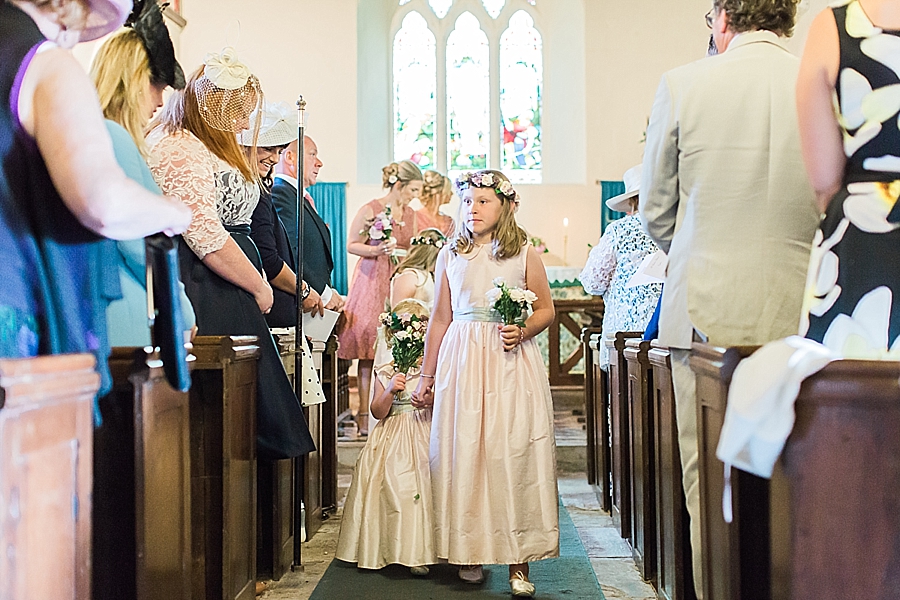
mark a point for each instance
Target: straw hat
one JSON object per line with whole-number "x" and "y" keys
{"x": 632, "y": 180}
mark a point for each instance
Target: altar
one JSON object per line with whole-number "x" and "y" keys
{"x": 560, "y": 344}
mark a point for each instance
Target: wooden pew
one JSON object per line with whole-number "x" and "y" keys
{"x": 336, "y": 389}
{"x": 596, "y": 394}
{"x": 141, "y": 493}
{"x": 643, "y": 465}
{"x": 45, "y": 476}
{"x": 223, "y": 467}
{"x": 675, "y": 580}
{"x": 735, "y": 556}
{"x": 312, "y": 462}
{"x": 620, "y": 431}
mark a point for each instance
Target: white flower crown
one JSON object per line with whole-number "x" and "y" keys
{"x": 423, "y": 240}
{"x": 487, "y": 180}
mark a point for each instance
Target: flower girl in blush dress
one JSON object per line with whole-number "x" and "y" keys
{"x": 493, "y": 456}
{"x": 388, "y": 514}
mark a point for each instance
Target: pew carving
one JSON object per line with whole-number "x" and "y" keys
{"x": 571, "y": 315}
{"x": 223, "y": 467}
{"x": 620, "y": 431}
{"x": 643, "y": 467}
{"x": 141, "y": 498}
{"x": 45, "y": 476}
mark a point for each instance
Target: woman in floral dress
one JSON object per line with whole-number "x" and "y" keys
{"x": 614, "y": 260}
{"x": 853, "y": 53}
{"x": 371, "y": 281}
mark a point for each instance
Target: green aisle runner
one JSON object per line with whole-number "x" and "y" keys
{"x": 569, "y": 577}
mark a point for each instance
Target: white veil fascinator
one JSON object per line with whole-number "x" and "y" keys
{"x": 228, "y": 93}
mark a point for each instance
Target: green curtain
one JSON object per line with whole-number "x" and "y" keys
{"x": 608, "y": 190}
{"x": 331, "y": 202}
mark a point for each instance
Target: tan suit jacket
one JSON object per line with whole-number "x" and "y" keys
{"x": 725, "y": 193}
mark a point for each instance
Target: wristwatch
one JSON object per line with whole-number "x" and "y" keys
{"x": 305, "y": 293}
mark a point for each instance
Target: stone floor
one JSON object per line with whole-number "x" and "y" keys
{"x": 609, "y": 554}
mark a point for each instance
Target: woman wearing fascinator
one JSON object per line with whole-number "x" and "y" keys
{"x": 60, "y": 186}
{"x": 194, "y": 154}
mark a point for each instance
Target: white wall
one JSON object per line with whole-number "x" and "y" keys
{"x": 603, "y": 61}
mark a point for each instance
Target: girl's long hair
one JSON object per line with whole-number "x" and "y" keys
{"x": 508, "y": 237}
{"x": 182, "y": 112}
{"x": 422, "y": 256}
{"x": 121, "y": 73}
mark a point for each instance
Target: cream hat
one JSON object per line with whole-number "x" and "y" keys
{"x": 632, "y": 180}
{"x": 278, "y": 126}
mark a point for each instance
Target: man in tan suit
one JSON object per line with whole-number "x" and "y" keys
{"x": 725, "y": 194}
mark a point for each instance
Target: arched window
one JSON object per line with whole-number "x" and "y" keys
{"x": 415, "y": 93}
{"x": 471, "y": 100}
{"x": 521, "y": 77}
{"x": 468, "y": 96}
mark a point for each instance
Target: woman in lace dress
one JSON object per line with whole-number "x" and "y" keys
{"x": 194, "y": 155}
{"x": 614, "y": 260}
{"x": 371, "y": 281}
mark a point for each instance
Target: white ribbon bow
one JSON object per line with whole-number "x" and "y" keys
{"x": 225, "y": 71}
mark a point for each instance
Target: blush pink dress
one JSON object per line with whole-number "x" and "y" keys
{"x": 369, "y": 288}
{"x": 493, "y": 454}
{"x": 443, "y": 223}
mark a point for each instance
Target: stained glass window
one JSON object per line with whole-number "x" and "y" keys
{"x": 521, "y": 80}
{"x": 494, "y": 7}
{"x": 468, "y": 96}
{"x": 440, "y": 7}
{"x": 415, "y": 91}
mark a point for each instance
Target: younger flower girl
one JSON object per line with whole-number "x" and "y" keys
{"x": 388, "y": 514}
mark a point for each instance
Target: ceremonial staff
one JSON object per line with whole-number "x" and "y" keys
{"x": 299, "y": 471}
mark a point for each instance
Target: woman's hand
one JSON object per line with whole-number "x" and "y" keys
{"x": 264, "y": 297}
{"x": 511, "y": 336}
{"x": 397, "y": 384}
{"x": 385, "y": 247}
{"x": 424, "y": 394}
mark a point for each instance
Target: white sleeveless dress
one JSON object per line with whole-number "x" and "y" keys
{"x": 493, "y": 453}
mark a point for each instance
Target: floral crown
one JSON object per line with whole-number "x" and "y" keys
{"x": 424, "y": 240}
{"x": 481, "y": 179}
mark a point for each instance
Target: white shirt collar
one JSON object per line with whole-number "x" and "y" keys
{"x": 287, "y": 178}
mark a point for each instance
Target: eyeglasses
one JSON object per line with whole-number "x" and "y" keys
{"x": 710, "y": 18}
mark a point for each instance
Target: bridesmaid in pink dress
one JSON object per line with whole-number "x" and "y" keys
{"x": 436, "y": 192}
{"x": 371, "y": 281}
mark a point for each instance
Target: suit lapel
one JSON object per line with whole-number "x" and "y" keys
{"x": 320, "y": 224}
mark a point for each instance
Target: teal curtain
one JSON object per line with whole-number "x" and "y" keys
{"x": 331, "y": 202}
{"x": 608, "y": 190}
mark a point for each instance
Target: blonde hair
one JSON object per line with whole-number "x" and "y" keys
{"x": 121, "y": 73}
{"x": 436, "y": 187}
{"x": 72, "y": 14}
{"x": 423, "y": 256}
{"x": 508, "y": 237}
{"x": 182, "y": 112}
{"x": 403, "y": 171}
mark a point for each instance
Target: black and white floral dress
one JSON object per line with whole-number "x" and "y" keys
{"x": 611, "y": 264}
{"x": 854, "y": 272}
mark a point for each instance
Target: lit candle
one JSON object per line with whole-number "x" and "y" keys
{"x": 566, "y": 222}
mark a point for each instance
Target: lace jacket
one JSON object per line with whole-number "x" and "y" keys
{"x": 612, "y": 262}
{"x": 216, "y": 192}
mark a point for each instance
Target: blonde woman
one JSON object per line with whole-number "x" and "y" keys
{"x": 61, "y": 187}
{"x": 371, "y": 281}
{"x": 194, "y": 154}
{"x": 436, "y": 192}
{"x": 131, "y": 69}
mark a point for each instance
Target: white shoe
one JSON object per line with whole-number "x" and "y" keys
{"x": 520, "y": 586}
{"x": 472, "y": 574}
{"x": 419, "y": 571}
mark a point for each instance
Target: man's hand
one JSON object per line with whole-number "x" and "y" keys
{"x": 335, "y": 303}
{"x": 313, "y": 303}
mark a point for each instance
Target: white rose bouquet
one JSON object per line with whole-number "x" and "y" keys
{"x": 510, "y": 302}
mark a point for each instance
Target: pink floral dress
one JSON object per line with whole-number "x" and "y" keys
{"x": 369, "y": 288}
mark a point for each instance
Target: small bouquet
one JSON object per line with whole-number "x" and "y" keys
{"x": 510, "y": 302}
{"x": 404, "y": 331}
{"x": 539, "y": 245}
{"x": 380, "y": 229}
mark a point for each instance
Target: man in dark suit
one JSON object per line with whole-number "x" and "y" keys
{"x": 317, "y": 259}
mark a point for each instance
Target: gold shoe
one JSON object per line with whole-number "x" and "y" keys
{"x": 520, "y": 586}
{"x": 472, "y": 574}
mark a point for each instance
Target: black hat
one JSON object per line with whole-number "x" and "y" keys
{"x": 147, "y": 21}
